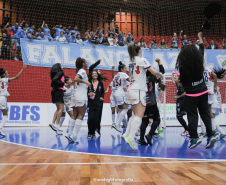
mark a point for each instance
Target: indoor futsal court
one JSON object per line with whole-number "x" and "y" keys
{"x": 113, "y": 92}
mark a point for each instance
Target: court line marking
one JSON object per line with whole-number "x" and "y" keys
{"x": 184, "y": 159}
{"x": 152, "y": 162}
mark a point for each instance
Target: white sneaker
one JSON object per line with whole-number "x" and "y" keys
{"x": 2, "y": 133}
{"x": 117, "y": 128}
{"x": 68, "y": 137}
{"x": 52, "y": 126}
{"x": 124, "y": 136}
{"x": 185, "y": 133}
{"x": 132, "y": 143}
{"x": 59, "y": 132}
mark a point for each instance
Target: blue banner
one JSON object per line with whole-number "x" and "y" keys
{"x": 44, "y": 53}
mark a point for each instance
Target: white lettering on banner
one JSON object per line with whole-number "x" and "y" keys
{"x": 86, "y": 53}
{"x": 174, "y": 61}
{"x": 50, "y": 55}
{"x": 34, "y": 51}
{"x": 66, "y": 56}
{"x": 122, "y": 56}
{"x": 108, "y": 58}
{"x": 159, "y": 55}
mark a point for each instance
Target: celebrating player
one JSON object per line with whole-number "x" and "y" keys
{"x": 4, "y": 80}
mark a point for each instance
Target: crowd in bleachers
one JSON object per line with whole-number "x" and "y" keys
{"x": 114, "y": 37}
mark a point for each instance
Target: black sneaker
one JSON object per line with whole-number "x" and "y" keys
{"x": 89, "y": 136}
{"x": 142, "y": 142}
{"x": 210, "y": 142}
{"x": 93, "y": 136}
{"x": 148, "y": 138}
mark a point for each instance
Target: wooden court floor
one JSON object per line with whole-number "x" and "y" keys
{"x": 28, "y": 166}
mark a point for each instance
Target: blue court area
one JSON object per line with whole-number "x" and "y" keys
{"x": 170, "y": 144}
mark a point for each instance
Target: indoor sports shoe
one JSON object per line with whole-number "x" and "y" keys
{"x": 160, "y": 131}
{"x": 155, "y": 135}
{"x": 68, "y": 137}
{"x": 52, "y": 126}
{"x": 185, "y": 133}
{"x": 222, "y": 136}
{"x": 210, "y": 142}
{"x": 195, "y": 142}
{"x": 89, "y": 136}
{"x": 59, "y": 131}
{"x": 98, "y": 131}
{"x": 117, "y": 128}
{"x": 132, "y": 143}
{"x": 73, "y": 138}
{"x": 93, "y": 136}
{"x": 148, "y": 138}
{"x": 202, "y": 134}
{"x": 124, "y": 136}
{"x": 2, "y": 133}
{"x": 142, "y": 142}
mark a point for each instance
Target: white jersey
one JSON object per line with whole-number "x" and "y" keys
{"x": 4, "y": 86}
{"x": 80, "y": 92}
{"x": 137, "y": 72}
{"x": 208, "y": 79}
{"x": 68, "y": 94}
{"x": 120, "y": 82}
{"x": 113, "y": 89}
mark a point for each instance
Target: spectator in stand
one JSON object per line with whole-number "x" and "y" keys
{"x": 67, "y": 34}
{"x": 58, "y": 29}
{"x": 155, "y": 41}
{"x": 223, "y": 44}
{"x": 190, "y": 42}
{"x": 142, "y": 44}
{"x": 61, "y": 37}
{"x": 114, "y": 42}
{"x": 42, "y": 36}
{"x": 5, "y": 45}
{"x": 30, "y": 35}
{"x": 53, "y": 35}
{"x": 212, "y": 45}
{"x": 120, "y": 39}
{"x": 174, "y": 38}
{"x": 8, "y": 29}
{"x": 174, "y": 43}
{"x": 28, "y": 28}
{"x": 105, "y": 41}
{"x": 96, "y": 42}
{"x": 79, "y": 40}
{"x": 15, "y": 28}
{"x": 45, "y": 28}
{"x": 38, "y": 33}
{"x": 72, "y": 39}
{"x": 93, "y": 37}
{"x": 21, "y": 33}
{"x": 116, "y": 29}
{"x": 184, "y": 39}
{"x": 163, "y": 44}
{"x": 111, "y": 30}
{"x": 110, "y": 39}
{"x": 153, "y": 45}
{"x": 129, "y": 37}
{"x": 75, "y": 30}
{"x": 87, "y": 39}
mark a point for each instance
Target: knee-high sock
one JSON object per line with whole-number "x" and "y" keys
{"x": 128, "y": 128}
{"x": 143, "y": 126}
{"x": 61, "y": 121}
{"x": 121, "y": 116}
{"x": 124, "y": 121}
{"x": 202, "y": 126}
{"x": 78, "y": 124}
{"x": 4, "y": 119}
{"x": 118, "y": 114}
{"x": 134, "y": 127}
{"x": 219, "y": 129}
{"x": 71, "y": 125}
{"x": 213, "y": 123}
{"x": 113, "y": 118}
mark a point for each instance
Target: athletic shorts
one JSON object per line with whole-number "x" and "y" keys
{"x": 152, "y": 112}
{"x": 120, "y": 100}
{"x": 3, "y": 103}
{"x": 58, "y": 96}
{"x": 113, "y": 103}
{"x": 135, "y": 96}
{"x": 78, "y": 103}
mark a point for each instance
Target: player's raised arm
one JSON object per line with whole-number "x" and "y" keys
{"x": 18, "y": 75}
